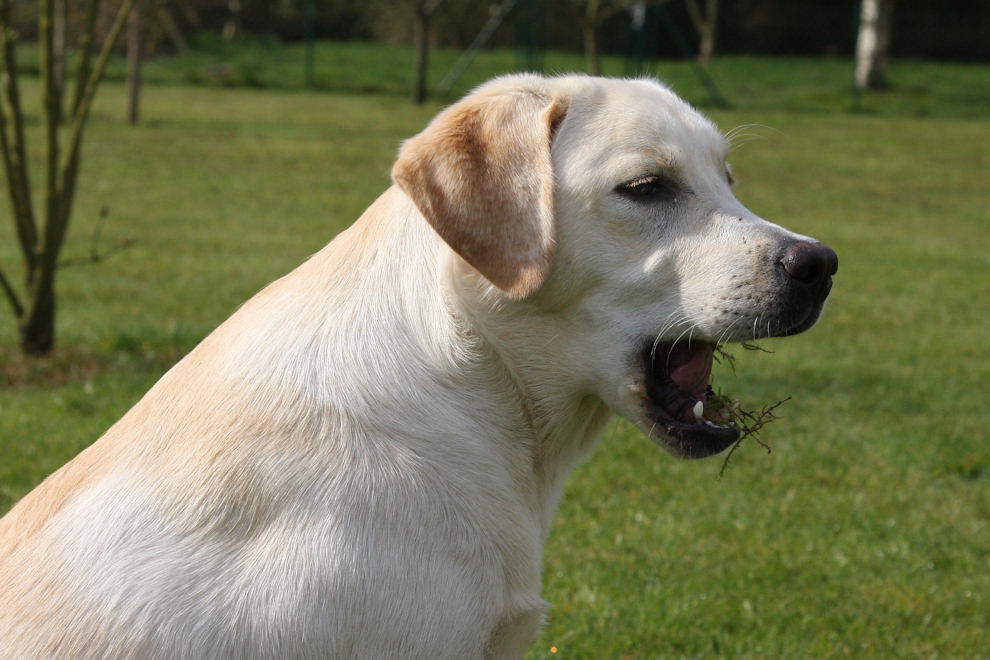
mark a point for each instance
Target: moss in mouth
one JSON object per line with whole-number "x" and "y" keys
{"x": 723, "y": 410}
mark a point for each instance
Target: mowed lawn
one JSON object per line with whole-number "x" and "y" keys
{"x": 866, "y": 531}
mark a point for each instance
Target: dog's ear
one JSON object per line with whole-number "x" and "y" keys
{"x": 481, "y": 175}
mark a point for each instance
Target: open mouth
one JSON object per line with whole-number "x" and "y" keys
{"x": 681, "y": 402}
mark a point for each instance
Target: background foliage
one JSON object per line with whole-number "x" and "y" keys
{"x": 949, "y": 29}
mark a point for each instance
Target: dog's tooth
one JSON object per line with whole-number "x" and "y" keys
{"x": 699, "y": 410}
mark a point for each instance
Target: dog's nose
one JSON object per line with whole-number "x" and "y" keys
{"x": 812, "y": 265}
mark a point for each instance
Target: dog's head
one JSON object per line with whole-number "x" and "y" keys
{"x": 607, "y": 206}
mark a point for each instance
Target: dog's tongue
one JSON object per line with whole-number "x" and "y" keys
{"x": 693, "y": 369}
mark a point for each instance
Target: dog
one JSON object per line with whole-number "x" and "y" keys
{"x": 364, "y": 460}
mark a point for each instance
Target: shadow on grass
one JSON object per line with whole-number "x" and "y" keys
{"x": 77, "y": 364}
{"x": 63, "y": 365}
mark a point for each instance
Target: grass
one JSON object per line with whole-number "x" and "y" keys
{"x": 865, "y": 533}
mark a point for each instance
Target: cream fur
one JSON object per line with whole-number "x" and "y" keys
{"x": 364, "y": 460}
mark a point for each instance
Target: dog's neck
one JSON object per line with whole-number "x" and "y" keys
{"x": 464, "y": 339}
{"x": 559, "y": 421}
{"x": 564, "y": 421}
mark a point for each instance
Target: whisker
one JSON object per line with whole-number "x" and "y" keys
{"x": 686, "y": 331}
{"x": 689, "y": 331}
{"x": 740, "y": 135}
{"x": 725, "y": 332}
{"x": 741, "y": 127}
{"x": 671, "y": 322}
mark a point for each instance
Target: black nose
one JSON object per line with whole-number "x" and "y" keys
{"x": 811, "y": 264}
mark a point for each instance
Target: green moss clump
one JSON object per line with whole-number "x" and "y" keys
{"x": 724, "y": 410}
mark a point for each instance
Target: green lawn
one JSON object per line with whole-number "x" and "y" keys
{"x": 865, "y": 533}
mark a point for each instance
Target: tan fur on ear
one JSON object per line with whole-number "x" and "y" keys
{"x": 481, "y": 175}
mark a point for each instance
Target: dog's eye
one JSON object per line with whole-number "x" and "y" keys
{"x": 649, "y": 187}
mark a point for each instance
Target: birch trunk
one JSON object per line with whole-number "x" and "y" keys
{"x": 873, "y": 44}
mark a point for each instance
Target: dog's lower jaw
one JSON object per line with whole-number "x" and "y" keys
{"x": 698, "y": 440}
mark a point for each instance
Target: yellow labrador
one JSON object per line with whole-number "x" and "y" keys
{"x": 364, "y": 460}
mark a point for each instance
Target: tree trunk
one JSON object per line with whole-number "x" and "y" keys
{"x": 171, "y": 28}
{"x": 37, "y": 325}
{"x": 593, "y": 61}
{"x": 707, "y": 47}
{"x": 134, "y": 47}
{"x": 873, "y": 43}
{"x": 60, "y": 27}
{"x": 705, "y": 23}
{"x": 41, "y": 241}
{"x": 421, "y": 46}
{"x": 232, "y": 26}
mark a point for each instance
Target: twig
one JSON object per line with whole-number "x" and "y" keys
{"x": 755, "y": 347}
{"x": 750, "y": 423}
{"x": 85, "y": 53}
{"x": 721, "y": 354}
{"x": 95, "y": 256}
{"x": 15, "y": 302}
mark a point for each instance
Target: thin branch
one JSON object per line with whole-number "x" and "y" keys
{"x": 70, "y": 166}
{"x": 750, "y": 346}
{"x": 10, "y": 171}
{"x": 61, "y": 26}
{"x": 166, "y": 21}
{"x": 95, "y": 256}
{"x": 694, "y": 12}
{"x": 189, "y": 12}
{"x": 85, "y": 101}
{"x": 705, "y": 23}
{"x": 85, "y": 53}
{"x": 12, "y": 298}
{"x": 49, "y": 126}
{"x": 12, "y": 143}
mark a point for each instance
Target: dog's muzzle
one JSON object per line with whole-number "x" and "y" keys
{"x": 687, "y": 416}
